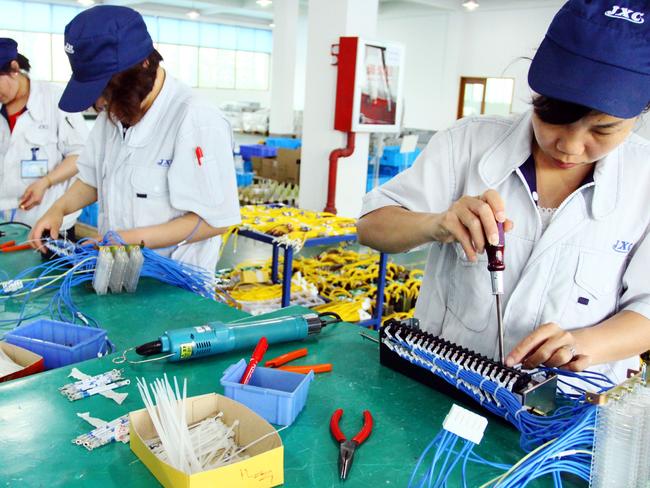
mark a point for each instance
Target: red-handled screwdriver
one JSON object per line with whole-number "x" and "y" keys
{"x": 257, "y": 356}
{"x": 496, "y": 265}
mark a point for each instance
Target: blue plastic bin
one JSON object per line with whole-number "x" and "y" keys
{"x": 244, "y": 179}
{"x": 89, "y": 215}
{"x": 284, "y": 142}
{"x": 392, "y": 157}
{"x": 257, "y": 150}
{"x": 276, "y": 395}
{"x": 59, "y": 343}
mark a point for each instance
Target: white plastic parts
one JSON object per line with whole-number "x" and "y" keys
{"x": 117, "y": 268}
{"x": 102, "y": 384}
{"x": 133, "y": 270}
{"x": 465, "y": 424}
{"x": 103, "y": 270}
{"x": 114, "y": 431}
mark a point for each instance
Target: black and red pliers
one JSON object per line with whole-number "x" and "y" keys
{"x": 347, "y": 447}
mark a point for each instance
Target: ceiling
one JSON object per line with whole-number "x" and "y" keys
{"x": 248, "y": 12}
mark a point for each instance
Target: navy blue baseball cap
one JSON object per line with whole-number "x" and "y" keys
{"x": 101, "y": 42}
{"x": 8, "y": 50}
{"x": 597, "y": 53}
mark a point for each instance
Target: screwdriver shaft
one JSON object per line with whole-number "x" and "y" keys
{"x": 500, "y": 326}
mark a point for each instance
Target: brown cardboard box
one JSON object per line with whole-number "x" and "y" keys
{"x": 32, "y": 362}
{"x": 289, "y": 165}
{"x": 264, "y": 468}
{"x": 269, "y": 168}
{"x": 257, "y": 165}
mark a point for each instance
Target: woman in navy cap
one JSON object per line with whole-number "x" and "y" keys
{"x": 39, "y": 143}
{"x": 569, "y": 182}
{"x": 158, "y": 161}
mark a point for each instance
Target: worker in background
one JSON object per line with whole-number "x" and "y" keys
{"x": 39, "y": 144}
{"x": 568, "y": 179}
{"x": 158, "y": 161}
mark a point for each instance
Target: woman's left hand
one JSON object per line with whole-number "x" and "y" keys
{"x": 34, "y": 193}
{"x": 552, "y": 346}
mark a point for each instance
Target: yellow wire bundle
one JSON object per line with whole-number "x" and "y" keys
{"x": 290, "y": 225}
{"x": 346, "y": 278}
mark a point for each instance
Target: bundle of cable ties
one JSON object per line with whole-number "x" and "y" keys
{"x": 205, "y": 445}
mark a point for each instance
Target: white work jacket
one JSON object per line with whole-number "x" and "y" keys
{"x": 150, "y": 173}
{"x": 54, "y": 133}
{"x": 591, "y": 262}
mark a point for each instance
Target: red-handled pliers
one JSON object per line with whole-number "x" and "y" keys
{"x": 347, "y": 447}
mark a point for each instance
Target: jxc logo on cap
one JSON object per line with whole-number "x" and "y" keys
{"x": 69, "y": 48}
{"x": 626, "y": 14}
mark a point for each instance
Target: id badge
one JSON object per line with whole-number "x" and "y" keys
{"x": 33, "y": 168}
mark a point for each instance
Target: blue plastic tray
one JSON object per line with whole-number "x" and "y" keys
{"x": 285, "y": 142}
{"x": 276, "y": 395}
{"x": 59, "y": 343}
{"x": 257, "y": 150}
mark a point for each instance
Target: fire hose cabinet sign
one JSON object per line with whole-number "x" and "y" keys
{"x": 369, "y": 86}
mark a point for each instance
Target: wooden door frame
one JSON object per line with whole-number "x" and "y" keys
{"x": 464, "y": 80}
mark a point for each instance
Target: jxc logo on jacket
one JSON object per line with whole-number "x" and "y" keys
{"x": 626, "y": 14}
{"x": 622, "y": 246}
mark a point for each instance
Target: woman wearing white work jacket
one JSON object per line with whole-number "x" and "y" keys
{"x": 570, "y": 183}
{"x": 39, "y": 143}
{"x": 158, "y": 161}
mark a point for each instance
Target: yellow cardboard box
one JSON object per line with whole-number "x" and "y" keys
{"x": 264, "y": 468}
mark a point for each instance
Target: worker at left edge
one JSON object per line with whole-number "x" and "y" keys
{"x": 39, "y": 144}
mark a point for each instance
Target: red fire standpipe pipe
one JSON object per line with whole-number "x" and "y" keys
{"x": 334, "y": 163}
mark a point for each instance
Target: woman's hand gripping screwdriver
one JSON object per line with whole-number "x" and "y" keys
{"x": 496, "y": 265}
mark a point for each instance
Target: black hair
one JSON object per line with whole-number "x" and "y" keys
{"x": 126, "y": 90}
{"x": 23, "y": 65}
{"x": 559, "y": 112}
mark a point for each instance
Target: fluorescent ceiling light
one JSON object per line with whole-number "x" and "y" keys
{"x": 193, "y": 14}
{"x": 471, "y": 5}
{"x": 86, "y": 3}
{"x": 264, "y": 3}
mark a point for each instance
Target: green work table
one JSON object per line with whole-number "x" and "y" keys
{"x": 37, "y": 424}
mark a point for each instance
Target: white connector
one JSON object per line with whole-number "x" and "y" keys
{"x": 134, "y": 268}
{"x": 465, "y": 424}
{"x": 103, "y": 268}
{"x": 119, "y": 269}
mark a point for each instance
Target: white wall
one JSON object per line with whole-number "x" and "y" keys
{"x": 424, "y": 74}
{"x": 301, "y": 62}
{"x": 442, "y": 47}
{"x": 216, "y": 97}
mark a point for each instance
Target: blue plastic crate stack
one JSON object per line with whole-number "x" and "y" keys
{"x": 248, "y": 151}
{"x": 391, "y": 163}
{"x": 267, "y": 150}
